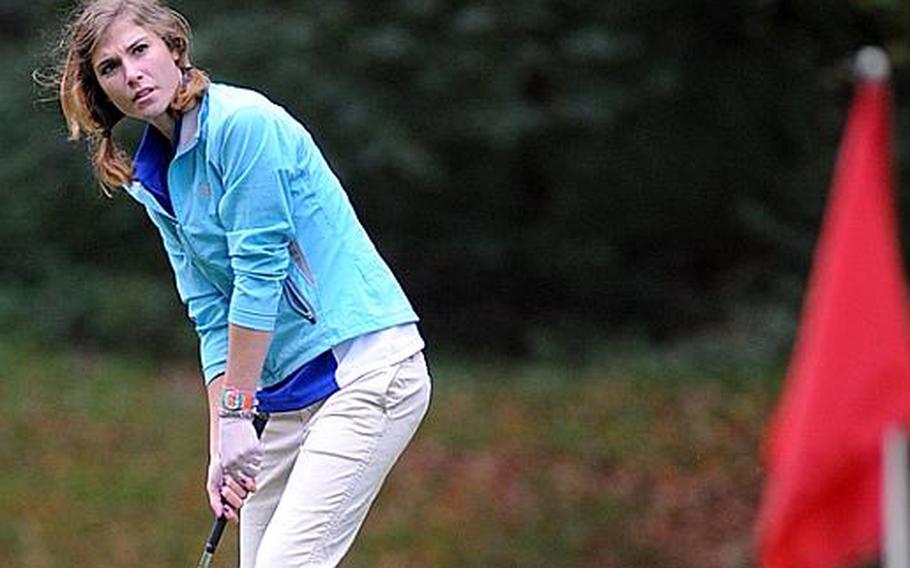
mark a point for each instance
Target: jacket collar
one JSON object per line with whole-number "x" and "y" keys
{"x": 155, "y": 152}
{"x": 153, "y": 156}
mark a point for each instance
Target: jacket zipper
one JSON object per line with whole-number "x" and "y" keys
{"x": 194, "y": 258}
{"x": 214, "y": 275}
{"x": 298, "y": 301}
{"x": 300, "y": 260}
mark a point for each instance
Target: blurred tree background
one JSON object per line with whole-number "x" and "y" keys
{"x": 544, "y": 176}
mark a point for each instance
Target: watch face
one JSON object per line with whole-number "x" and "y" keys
{"x": 233, "y": 400}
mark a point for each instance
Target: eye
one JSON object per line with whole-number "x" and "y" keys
{"x": 140, "y": 49}
{"x": 106, "y": 68}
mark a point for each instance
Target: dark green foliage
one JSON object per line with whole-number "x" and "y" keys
{"x": 535, "y": 171}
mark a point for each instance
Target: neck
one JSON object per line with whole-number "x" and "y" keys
{"x": 166, "y": 124}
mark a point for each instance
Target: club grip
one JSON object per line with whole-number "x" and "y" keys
{"x": 215, "y": 535}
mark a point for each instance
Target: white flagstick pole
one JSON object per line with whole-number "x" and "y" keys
{"x": 872, "y": 65}
{"x": 895, "y": 502}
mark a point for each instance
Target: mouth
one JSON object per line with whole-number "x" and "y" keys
{"x": 142, "y": 94}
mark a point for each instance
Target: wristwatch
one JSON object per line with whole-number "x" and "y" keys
{"x": 235, "y": 402}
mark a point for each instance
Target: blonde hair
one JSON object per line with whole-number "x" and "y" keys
{"x": 86, "y": 107}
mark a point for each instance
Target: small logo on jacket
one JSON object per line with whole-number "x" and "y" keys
{"x": 205, "y": 190}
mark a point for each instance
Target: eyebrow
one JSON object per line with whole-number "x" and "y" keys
{"x": 138, "y": 40}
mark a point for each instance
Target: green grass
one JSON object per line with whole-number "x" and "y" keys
{"x": 537, "y": 465}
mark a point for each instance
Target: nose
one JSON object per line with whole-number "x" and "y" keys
{"x": 132, "y": 72}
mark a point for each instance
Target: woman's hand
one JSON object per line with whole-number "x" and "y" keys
{"x": 239, "y": 448}
{"x": 226, "y": 495}
{"x": 241, "y": 458}
{"x": 213, "y": 484}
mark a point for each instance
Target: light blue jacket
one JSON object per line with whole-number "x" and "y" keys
{"x": 263, "y": 236}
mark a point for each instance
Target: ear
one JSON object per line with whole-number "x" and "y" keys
{"x": 176, "y": 48}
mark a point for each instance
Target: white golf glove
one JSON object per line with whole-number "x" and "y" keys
{"x": 213, "y": 484}
{"x": 226, "y": 496}
{"x": 239, "y": 448}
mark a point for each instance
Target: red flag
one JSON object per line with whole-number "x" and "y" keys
{"x": 849, "y": 378}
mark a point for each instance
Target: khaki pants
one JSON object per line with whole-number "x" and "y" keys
{"x": 324, "y": 465}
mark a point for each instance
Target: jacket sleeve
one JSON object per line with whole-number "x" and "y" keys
{"x": 207, "y": 307}
{"x": 255, "y": 211}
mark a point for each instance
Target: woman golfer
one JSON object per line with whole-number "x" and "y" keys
{"x": 297, "y": 314}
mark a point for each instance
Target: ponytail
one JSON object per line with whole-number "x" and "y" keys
{"x": 191, "y": 90}
{"x": 113, "y": 167}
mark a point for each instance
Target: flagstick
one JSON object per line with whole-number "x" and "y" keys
{"x": 895, "y": 500}
{"x": 871, "y": 64}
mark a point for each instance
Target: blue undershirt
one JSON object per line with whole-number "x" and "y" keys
{"x": 151, "y": 162}
{"x": 312, "y": 382}
{"x": 308, "y": 384}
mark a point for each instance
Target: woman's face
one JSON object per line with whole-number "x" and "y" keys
{"x": 136, "y": 70}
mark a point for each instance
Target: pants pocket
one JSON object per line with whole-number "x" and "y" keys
{"x": 409, "y": 388}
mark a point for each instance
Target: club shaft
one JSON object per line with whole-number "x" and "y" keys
{"x": 206, "y": 560}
